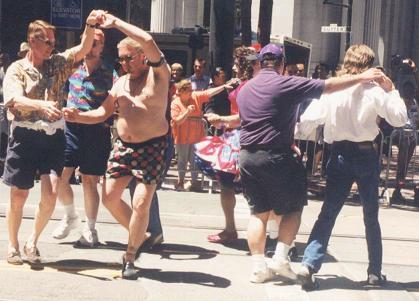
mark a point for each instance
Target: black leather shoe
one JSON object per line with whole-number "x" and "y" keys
{"x": 397, "y": 198}
{"x": 129, "y": 271}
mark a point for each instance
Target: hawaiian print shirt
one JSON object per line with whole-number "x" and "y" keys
{"x": 87, "y": 92}
{"x": 46, "y": 83}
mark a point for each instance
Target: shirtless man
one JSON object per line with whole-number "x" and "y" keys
{"x": 140, "y": 100}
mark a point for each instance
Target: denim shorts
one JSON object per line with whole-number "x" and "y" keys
{"x": 273, "y": 180}
{"x": 30, "y": 151}
{"x": 88, "y": 147}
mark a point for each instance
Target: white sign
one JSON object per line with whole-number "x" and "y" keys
{"x": 335, "y": 28}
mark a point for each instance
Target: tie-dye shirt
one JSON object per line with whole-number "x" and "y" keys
{"x": 87, "y": 92}
{"x": 45, "y": 83}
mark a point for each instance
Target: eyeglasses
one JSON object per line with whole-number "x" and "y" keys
{"x": 50, "y": 43}
{"x": 127, "y": 58}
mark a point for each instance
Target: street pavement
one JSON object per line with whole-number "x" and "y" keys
{"x": 187, "y": 267}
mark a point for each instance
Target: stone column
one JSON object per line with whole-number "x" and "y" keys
{"x": 162, "y": 16}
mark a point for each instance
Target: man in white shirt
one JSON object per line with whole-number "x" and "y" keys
{"x": 350, "y": 123}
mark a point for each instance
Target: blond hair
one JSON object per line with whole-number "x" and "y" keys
{"x": 37, "y": 26}
{"x": 183, "y": 85}
{"x": 177, "y": 66}
{"x": 358, "y": 58}
{"x": 131, "y": 43}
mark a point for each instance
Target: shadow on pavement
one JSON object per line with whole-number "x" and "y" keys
{"x": 329, "y": 282}
{"x": 185, "y": 277}
{"x": 168, "y": 250}
{"x": 78, "y": 266}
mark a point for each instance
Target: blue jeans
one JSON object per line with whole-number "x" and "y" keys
{"x": 348, "y": 163}
{"x": 154, "y": 224}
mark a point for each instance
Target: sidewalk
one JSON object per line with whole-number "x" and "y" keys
{"x": 187, "y": 267}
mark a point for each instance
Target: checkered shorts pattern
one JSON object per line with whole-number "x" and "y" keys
{"x": 144, "y": 161}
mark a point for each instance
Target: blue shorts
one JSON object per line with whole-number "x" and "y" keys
{"x": 31, "y": 151}
{"x": 87, "y": 147}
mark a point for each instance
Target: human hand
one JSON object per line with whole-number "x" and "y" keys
{"x": 190, "y": 108}
{"x": 385, "y": 83}
{"x": 96, "y": 17}
{"x": 50, "y": 110}
{"x": 372, "y": 74}
{"x": 232, "y": 84}
{"x": 214, "y": 119}
{"x": 71, "y": 114}
{"x": 108, "y": 21}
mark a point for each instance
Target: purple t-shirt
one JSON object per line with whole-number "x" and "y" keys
{"x": 268, "y": 106}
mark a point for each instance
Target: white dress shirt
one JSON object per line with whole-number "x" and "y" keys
{"x": 351, "y": 114}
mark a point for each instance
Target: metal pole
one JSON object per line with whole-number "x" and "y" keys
{"x": 348, "y": 25}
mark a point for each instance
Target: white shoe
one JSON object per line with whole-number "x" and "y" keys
{"x": 88, "y": 238}
{"x": 65, "y": 226}
{"x": 282, "y": 268}
{"x": 261, "y": 276}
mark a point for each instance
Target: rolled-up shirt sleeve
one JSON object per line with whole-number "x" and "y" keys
{"x": 13, "y": 85}
{"x": 391, "y": 107}
{"x": 314, "y": 115}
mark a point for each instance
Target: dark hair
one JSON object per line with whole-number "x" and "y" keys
{"x": 270, "y": 60}
{"x": 217, "y": 71}
{"x": 245, "y": 66}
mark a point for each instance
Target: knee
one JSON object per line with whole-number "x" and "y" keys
{"x": 90, "y": 181}
{"x": 18, "y": 199}
{"x": 141, "y": 208}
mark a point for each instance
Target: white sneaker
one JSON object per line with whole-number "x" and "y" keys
{"x": 65, "y": 226}
{"x": 282, "y": 268}
{"x": 261, "y": 276}
{"x": 88, "y": 238}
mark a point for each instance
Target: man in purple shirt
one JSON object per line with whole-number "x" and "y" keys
{"x": 272, "y": 174}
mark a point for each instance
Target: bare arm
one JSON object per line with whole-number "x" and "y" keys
{"x": 49, "y": 108}
{"x": 339, "y": 83}
{"x": 231, "y": 121}
{"x": 95, "y": 17}
{"x": 151, "y": 51}
{"x": 94, "y": 116}
{"x": 181, "y": 118}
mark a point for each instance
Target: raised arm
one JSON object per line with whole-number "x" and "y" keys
{"x": 339, "y": 83}
{"x": 151, "y": 51}
{"x": 95, "y": 18}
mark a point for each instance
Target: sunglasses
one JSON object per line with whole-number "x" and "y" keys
{"x": 127, "y": 58}
{"x": 50, "y": 43}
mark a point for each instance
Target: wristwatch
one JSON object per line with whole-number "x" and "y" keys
{"x": 156, "y": 64}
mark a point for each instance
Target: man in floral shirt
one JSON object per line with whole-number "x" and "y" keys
{"x": 33, "y": 94}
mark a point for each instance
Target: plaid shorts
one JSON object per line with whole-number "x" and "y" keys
{"x": 144, "y": 161}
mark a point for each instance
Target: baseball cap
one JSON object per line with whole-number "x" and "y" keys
{"x": 271, "y": 49}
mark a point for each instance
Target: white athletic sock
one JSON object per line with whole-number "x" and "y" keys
{"x": 90, "y": 224}
{"x": 259, "y": 263}
{"x": 281, "y": 251}
{"x": 70, "y": 210}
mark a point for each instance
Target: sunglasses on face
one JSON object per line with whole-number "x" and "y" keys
{"x": 50, "y": 43}
{"x": 126, "y": 58}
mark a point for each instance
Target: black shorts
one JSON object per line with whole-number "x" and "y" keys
{"x": 273, "y": 180}
{"x": 30, "y": 151}
{"x": 88, "y": 147}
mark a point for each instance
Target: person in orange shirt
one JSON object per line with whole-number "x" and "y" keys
{"x": 188, "y": 127}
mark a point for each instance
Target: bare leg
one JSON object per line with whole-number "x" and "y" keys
{"x": 256, "y": 232}
{"x": 49, "y": 187}
{"x": 139, "y": 219}
{"x": 288, "y": 228}
{"x": 111, "y": 198}
{"x": 228, "y": 203}
{"x": 14, "y": 214}
{"x": 65, "y": 193}
{"x": 91, "y": 196}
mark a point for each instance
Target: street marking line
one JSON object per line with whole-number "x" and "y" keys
{"x": 102, "y": 273}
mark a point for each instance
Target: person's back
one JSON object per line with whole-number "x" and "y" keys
{"x": 351, "y": 114}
